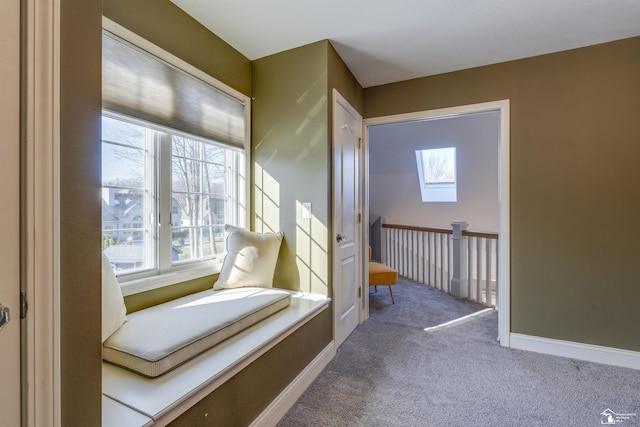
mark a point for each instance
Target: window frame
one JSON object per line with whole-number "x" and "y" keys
{"x": 161, "y": 275}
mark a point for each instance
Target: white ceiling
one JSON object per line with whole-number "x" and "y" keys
{"x": 384, "y": 41}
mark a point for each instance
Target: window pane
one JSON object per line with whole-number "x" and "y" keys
{"x": 127, "y": 195}
{"x": 199, "y": 194}
{"x": 122, "y": 131}
{"x": 437, "y": 174}
{"x": 122, "y": 165}
{"x": 439, "y": 165}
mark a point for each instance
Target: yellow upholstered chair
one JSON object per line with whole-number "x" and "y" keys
{"x": 382, "y": 275}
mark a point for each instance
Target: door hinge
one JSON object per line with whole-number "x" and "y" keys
{"x": 24, "y": 305}
{"x": 359, "y": 143}
{"x": 360, "y": 292}
{"x": 359, "y": 218}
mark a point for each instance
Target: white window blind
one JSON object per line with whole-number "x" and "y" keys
{"x": 138, "y": 84}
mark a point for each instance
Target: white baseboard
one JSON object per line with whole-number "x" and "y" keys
{"x": 574, "y": 350}
{"x": 281, "y": 404}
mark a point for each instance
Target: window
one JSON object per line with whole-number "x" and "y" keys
{"x": 202, "y": 197}
{"x": 437, "y": 174}
{"x": 173, "y": 162}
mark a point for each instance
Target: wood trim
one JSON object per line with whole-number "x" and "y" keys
{"x": 469, "y": 233}
{"x": 504, "y": 244}
{"x": 575, "y": 350}
{"x": 40, "y": 216}
{"x": 415, "y": 228}
{"x": 481, "y": 234}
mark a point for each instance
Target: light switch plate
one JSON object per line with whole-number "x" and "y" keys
{"x": 306, "y": 210}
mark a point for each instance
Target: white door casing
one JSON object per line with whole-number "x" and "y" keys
{"x": 40, "y": 212}
{"x": 347, "y": 251}
{"x": 10, "y": 411}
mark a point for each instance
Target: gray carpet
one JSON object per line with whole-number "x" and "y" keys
{"x": 390, "y": 372}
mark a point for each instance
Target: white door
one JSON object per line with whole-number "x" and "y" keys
{"x": 10, "y": 203}
{"x": 347, "y": 259}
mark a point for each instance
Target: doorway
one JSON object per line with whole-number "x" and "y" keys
{"x": 501, "y": 109}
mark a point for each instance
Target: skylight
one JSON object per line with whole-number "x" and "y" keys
{"x": 437, "y": 174}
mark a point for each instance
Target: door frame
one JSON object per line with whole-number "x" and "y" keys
{"x": 504, "y": 246}
{"x": 362, "y": 240}
{"x": 40, "y": 193}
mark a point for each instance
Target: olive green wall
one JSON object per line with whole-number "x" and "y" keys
{"x": 290, "y": 162}
{"x": 341, "y": 79}
{"x": 169, "y": 27}
{"x": 153, "y": 297}
{"x": 243, "y": 398}
{"x": 291, "y": 134}
{"x": 575, "y": 198}
{"x": 80, "y": 95}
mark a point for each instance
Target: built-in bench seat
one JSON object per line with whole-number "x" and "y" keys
{"x": 157, "y": 339}
{"x": 116, "y": 414}
{"x": 164, "y": 398}
{"x": 162, "y": 360}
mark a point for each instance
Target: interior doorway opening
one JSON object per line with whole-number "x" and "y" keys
{"x": 498, "y": 157}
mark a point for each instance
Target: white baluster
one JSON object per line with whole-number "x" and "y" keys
{"x": 478, "y": 269}
{"x": 488, "y": 271}
{"x": 469, "y": 269}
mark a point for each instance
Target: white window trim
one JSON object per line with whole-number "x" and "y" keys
{"x": 134, "y": 283}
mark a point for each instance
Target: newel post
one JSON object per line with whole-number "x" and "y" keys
{"x": 459, "y": 275}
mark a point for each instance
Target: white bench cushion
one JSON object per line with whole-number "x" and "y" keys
{"x": 157, "y": 339}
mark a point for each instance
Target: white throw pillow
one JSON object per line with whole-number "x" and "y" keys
{"x": 251, "y": 259}
{"x": 114, "y": 312}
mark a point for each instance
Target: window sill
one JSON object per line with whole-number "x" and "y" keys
{"x": 116, "y": 414}
{"x": 149, "y": 283}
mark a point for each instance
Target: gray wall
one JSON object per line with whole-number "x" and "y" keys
{"x": 394, "y": 188}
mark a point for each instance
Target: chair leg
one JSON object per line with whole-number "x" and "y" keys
{"x": 393, "y": 301}
{"x": 375, "y": 288}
